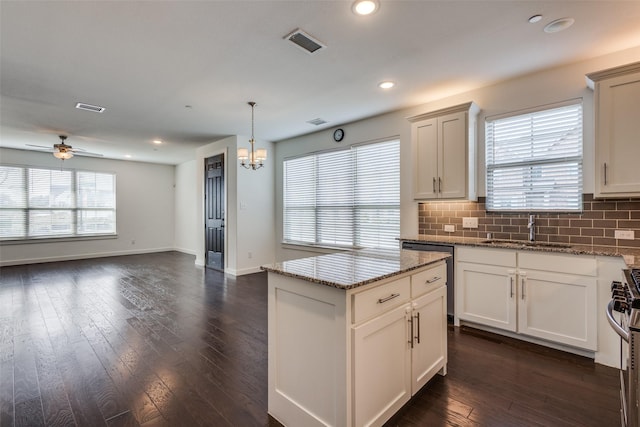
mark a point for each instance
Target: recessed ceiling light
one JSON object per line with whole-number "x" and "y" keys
{"x": 558, "y": 25}
{"x": 157, "y": 141}
{"x": 535, "y": 18}
{"x": 386, "y": 85}
{"x": 365, "y": 7}
{"x": 128, "y": 156}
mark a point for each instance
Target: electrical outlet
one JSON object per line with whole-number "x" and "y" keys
{"x": 469, "y": 222}
{"x": 624, "y": 234}
{"x": 449, "y": 228}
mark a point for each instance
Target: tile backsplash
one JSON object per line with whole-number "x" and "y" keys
{"x": 595, "y": 225}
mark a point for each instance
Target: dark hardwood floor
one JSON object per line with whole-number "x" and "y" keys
{"x": 152, "y": 340}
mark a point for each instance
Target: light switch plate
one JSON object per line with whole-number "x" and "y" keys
{"x": 449, "y": 228}
{"x": 469, "y": 222}
{"x": 624, "y": 234}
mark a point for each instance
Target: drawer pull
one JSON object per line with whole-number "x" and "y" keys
{"x": 434, "y": 279}
{"x": 390, "y": 297}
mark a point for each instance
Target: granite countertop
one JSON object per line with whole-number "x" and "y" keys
{"x": 348, "y": 270}
{"x": 631, "y": 256}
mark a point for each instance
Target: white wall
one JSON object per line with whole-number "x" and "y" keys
{"x": 144, "y": 202}
{"x": 249, "y": 217}
{"x": 185, "y": 227}
{"x": 536, "y": 89}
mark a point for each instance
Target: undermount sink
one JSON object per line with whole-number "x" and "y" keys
{"x": 526, "y": 243}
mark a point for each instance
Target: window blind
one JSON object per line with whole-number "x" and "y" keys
{"x": 534, "y": 161}
{"x": 38, "y": 202}
{"x": 345, "y": 198}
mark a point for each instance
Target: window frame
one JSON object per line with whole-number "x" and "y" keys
{"x": 533, "y": 162}
{"x": 73, "y": 208}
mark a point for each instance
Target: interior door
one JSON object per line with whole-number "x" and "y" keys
{"x": 214, "y": 212}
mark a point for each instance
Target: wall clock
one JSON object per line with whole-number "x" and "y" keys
{"x": 338, "y": 135}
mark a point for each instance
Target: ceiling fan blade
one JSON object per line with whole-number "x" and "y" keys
{"x": 86, "y": 153}
{"x": 39, "y": 146}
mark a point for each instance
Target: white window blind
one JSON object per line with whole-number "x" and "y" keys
{"x": 38, "y": 203}
{"x": 534, "y": 161}
{"x": 344, "y": 198}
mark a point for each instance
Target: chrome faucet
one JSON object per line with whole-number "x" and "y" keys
{"x": 532, "y": 228}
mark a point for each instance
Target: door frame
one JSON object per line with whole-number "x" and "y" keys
{"x": 203, "y": 217}
{"x": 224, "y": 210}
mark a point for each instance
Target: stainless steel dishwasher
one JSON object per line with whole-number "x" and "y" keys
{"x": 436, "y": 247}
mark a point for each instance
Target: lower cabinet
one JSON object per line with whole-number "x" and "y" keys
{"x": 382, "y": 367}
{"x": 558, "y": 307}
{"x": 397, "y": 353}
{"x": 548, "y": 296}
{"x": 353, "y": 358}
{"x": 485, "y": 294}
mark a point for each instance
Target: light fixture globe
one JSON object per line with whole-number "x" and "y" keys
{"x": 63, "y": 155}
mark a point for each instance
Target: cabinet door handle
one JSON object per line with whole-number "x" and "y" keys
{"x": 434, "y": 279}
{"x": 511, "y": 286}
{"x": 417, "y": 317}
{"x": 439, "y": 185}
{"x": 524, "y": 287}
{"x": 410, "y": 320}
{"x": 434, "y": 184}
{"x": 605, "y": 173}
{"x": 385, "y": 299}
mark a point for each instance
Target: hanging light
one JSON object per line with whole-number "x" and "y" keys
{"x": 63, "y": 155}
{"x": 253, "y": 159}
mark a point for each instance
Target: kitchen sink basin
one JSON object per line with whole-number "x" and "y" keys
{"x": 526, "y": 243}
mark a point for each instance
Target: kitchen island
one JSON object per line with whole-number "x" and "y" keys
{"x": 353, "y": 335}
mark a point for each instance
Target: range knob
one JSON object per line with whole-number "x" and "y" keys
{"x": 620, "y": 305}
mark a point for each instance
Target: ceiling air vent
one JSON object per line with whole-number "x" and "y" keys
{"x": 305, "y": 41}
{"x": 89, "y": 107}
{"x": 317, "y": 122}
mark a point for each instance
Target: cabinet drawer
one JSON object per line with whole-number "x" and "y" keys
{"x": 489, "y": 256}
{"x": 427, "y": 280}
{"x": 380, "y": 299}
{"x": 583, "y": 265}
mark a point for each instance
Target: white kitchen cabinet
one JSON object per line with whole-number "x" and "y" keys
{"x": 486, "y": 294}
{"x": 354, "y": 357}
{"x": 445, "y": 153}
{"x": 429, "y": 352}
{"x": 552, "y": 297}
{"x": 398, "y": 352}
{"x": 617, "y": 126}
{"x": 381, "y": 366}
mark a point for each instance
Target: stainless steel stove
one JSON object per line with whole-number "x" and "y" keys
{"x": 625, "y": 299}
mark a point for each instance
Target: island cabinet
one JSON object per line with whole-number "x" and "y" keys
{"x": 444, "y": 146}
{"x": 552, "y": 297}
{"x": 354, "y": 356}
{"x": 617, "y": 126}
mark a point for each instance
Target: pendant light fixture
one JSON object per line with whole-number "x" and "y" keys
{"x": 253, "y": 159}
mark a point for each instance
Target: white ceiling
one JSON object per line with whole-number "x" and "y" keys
{"x": 146, "y": 60}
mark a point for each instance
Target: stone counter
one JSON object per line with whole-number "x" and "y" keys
{"x": 348, "y": 270}
{"x": 630, "y": 255}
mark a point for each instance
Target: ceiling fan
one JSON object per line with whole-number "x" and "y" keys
{"x": 64, "y": 151}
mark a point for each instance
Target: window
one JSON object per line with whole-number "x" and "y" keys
{"x": 534, "y": 160}
{"x": 38, "y": 203}
{"x": 344, "y": 198}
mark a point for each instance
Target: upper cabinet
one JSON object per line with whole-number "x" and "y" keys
{"x": 617, "y": 130}
{"x": 445, "y": 153}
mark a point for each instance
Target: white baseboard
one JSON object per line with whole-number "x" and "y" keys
{"x": 186, "y": 251}
{"x": 74, "y": 257}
